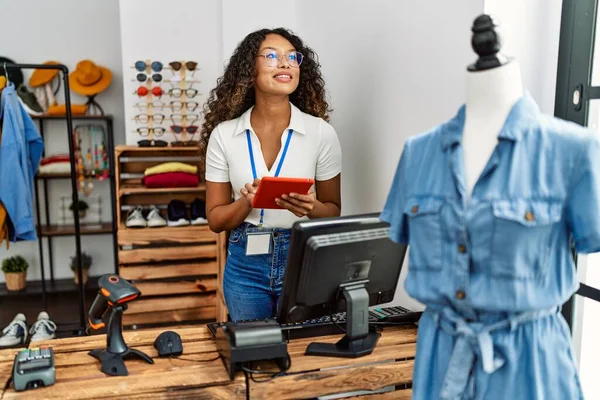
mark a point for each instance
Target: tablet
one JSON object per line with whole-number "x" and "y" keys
{"x": 271, "y": 188}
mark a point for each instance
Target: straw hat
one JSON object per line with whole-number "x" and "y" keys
{"x": 89, "y": 79}
{"x": 40, "y": 77}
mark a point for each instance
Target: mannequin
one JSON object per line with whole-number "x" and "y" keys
{"x": 493, "y": 86}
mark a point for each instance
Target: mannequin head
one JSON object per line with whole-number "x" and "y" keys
{"x": 256, "y": 68}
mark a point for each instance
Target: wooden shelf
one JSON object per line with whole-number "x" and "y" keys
{"x": 165, "y": 235}
{"x": 74, "y": 117}
{"x": 147, "y": 149}
{"x": 64, "y": 176}
{"x": 59, "y": 286}
{"x": 134, "y": 189}
{"x": 84, "y": 229}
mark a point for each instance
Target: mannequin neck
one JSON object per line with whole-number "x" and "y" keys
{"x": 494, "y": 90}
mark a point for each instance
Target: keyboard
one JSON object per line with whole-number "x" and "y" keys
{"x": 336, "y": 323}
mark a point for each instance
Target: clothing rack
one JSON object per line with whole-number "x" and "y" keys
{"x": 74, "y": 192}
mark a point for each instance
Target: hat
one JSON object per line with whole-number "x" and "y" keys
{"x": 89, "y": 79}
{"x": 14, "y": 74}
{"x": 40, "y": 77}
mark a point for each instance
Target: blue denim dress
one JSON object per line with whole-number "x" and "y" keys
{"x": 252, "y": 284}
{"x": 493, "y": 271}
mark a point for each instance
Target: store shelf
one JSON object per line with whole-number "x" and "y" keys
{"x": 84, "y": 229}
{"x": 59, "y": 286}
{"x": 136, "y": 189}
{"x": 75, "y": 117}
{"x": 122, "y": 148}
{"x": 62, "y": 176}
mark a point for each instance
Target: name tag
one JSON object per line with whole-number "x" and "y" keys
{"x": 258, "y": 243}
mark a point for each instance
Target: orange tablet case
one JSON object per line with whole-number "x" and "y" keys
{"x": 271, "y": 188}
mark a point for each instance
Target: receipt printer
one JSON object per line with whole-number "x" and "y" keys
{"x": 241, "y": 342}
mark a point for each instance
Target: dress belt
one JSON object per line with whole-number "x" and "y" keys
{"x": 474, "y": 338}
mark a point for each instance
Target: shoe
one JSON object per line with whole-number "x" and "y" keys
{"x": 43, "y": 328}
{"x": 15, "y": 333}
{"x": 198, "y": 212}
{"x": 29, "y": 101}
{"x": 154, "y": 219}
{"x": 177, "y": 213}
{"x": 135, "y": 218}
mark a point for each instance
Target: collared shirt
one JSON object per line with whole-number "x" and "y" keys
{"x": 20, "y": 153}
{"x": 508, "y": 248}
{"x": 314, "y": 152}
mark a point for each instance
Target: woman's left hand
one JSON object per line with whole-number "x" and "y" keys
{"x": 298, "y": 204}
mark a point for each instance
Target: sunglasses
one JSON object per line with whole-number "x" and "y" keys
{"x": 179, "y": 105}
{"x": 141, "y": 66}
{"x": 144, "y": 118}
{"x": 157, "y": 131}
{"x": 143, "y": 91}
{"x": 144, "y": 77}
{"x": 179, "y": 118}
{"x": 273, "y": 58}
{"x": 180, "y": 129}
{"x": 189, "y": 65}
{"x": 152, "y": 143}
{"x": 179, "y": 92}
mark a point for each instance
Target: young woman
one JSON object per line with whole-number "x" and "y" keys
{"x": 267, "y": 117}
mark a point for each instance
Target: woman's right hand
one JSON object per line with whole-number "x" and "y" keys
{"x": 249, "y": 190}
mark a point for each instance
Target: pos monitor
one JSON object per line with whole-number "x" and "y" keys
{"x": 340, "y": 264}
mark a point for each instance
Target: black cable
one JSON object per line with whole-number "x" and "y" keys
{"x": 191, "y": 359}
{"x": 274, "y": 374}
{"x": 247, "y": 385}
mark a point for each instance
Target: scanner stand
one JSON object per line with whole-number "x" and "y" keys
{"x": 359, "y": 339}
{"x": 112, "y": 358}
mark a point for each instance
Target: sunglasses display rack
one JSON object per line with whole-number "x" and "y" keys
{"x": 177, "y": 268}
{"x": 160, "y": 109}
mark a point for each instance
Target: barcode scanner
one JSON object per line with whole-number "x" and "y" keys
{"x": 111, "y": 301}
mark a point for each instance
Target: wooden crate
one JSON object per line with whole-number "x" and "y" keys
{"x": 177, "y": 269}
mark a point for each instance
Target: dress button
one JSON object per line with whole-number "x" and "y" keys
{"x": 529, "y": 216}
{"x": 414, "y": 209}
{"x": 462, "y": 248}
{"x": 460, "y": 295}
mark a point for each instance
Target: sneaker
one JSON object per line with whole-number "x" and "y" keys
{"x": 15, "y": 333}
{"x": 154, "y": 219}
{"x": 43, "y": 328}
{"x": 29, "y": 101}
{"x": 135, "y": 218}
{"x": 198, "y": 212}
{"x": 177, "y": 213}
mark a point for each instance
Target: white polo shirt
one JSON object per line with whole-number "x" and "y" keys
{"x": 314, "y": 152}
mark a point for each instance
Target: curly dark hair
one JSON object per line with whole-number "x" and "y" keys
{"x": 234, "y": 93}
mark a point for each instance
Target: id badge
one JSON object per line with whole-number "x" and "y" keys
{"x": 258, "y": 243}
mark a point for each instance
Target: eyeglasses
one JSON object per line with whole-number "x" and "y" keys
{"x": 152, "y": 143}
{"x": 189, "y": 118}
{"x": 141, "y": 66}
{"x": 179, "y": 105}
{"x": 179, "y": 92}
{"x": 158, "y": 131}
{"x": 144, "y": 118}
{"x": 143, "y": 91}
{"x": 144, "y": 77}
{"x": 189, "y": 65}
{"x": 272, "y": 58}
{"x": 189, "y": 129}
{"x": 153, "y": 104}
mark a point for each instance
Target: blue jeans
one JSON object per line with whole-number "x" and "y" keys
{"x": 252, "y": 284}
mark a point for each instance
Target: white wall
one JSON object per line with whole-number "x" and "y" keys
{"x": 68, "y": 31}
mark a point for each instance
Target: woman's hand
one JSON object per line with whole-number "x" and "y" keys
{"x": 249, "y": 190}
{"x": 300, "y": 205}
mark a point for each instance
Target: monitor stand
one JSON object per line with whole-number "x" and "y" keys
{"x": 358, "y": 340}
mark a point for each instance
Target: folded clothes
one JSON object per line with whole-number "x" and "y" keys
{"x": 171, "y": 167}
{"x": 55, "y": 168}
{"x": 55, "y": 158}
{"x": 171, "y": 180}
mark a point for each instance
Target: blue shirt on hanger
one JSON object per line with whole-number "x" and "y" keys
{"x": 493, "y": 270}
{"x": 20, "y": 152}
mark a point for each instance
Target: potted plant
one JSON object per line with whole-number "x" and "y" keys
{"x": 15, "y": 272}
{"x": 86, "y": 263}
{"x": 82, "y": 208}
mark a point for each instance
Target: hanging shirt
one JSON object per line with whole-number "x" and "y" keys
{"x": 313, "y": 152}
{"x": 494, "y": 273}
{"x": 20, "y": 153}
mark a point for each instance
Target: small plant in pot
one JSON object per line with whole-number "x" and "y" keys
{"x": 82, "y": 208}
{"x": 86, "y": 263}
{"x": 15, "y": 272}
